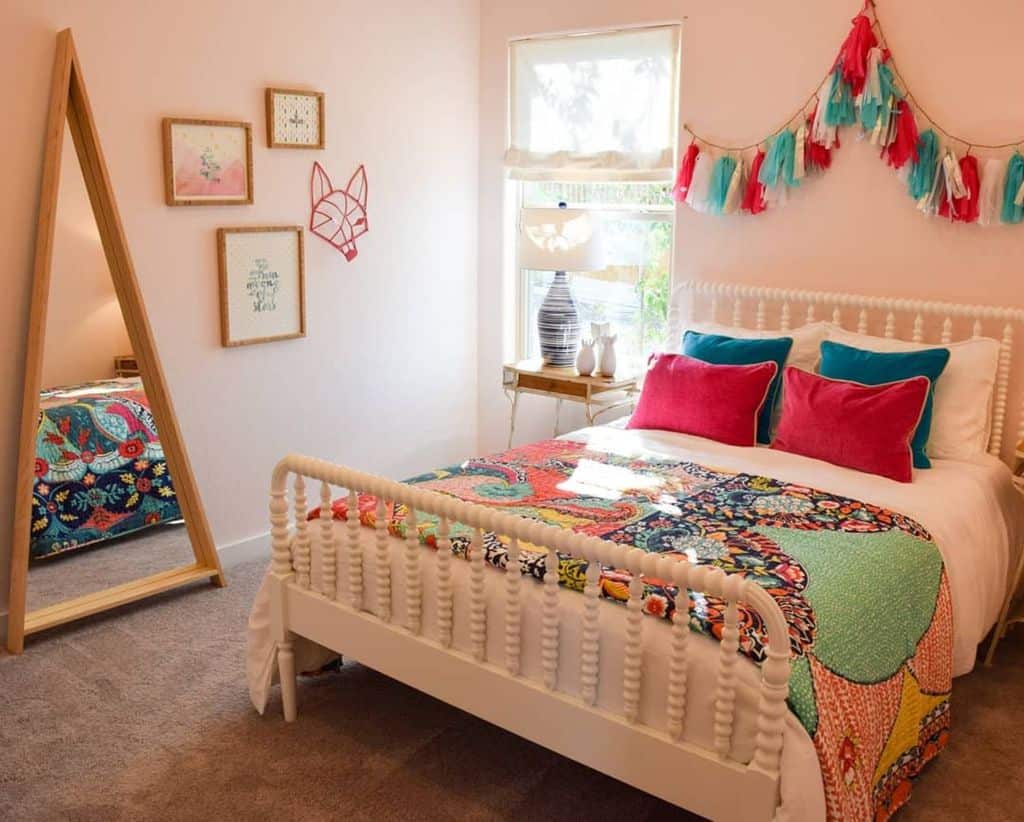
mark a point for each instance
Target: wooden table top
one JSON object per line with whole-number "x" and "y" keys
{"x": 538, "y": 368}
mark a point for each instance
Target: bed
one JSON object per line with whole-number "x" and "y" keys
{"x": 778, "y": 697}
{"x": 100, "y": 471}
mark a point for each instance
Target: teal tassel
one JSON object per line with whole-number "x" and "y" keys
{"x": 779, "y": 161}
{"x": 839, "y": 108}
{"x": 922, "y": 171}
{"x": 1013, "y": 213}
{"x": 871, "y": 109}
{"x": 721, "y": 176}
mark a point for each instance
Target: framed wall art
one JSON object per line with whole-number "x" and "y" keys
{"x": 262, "y": 284}
{"x": 295, "y": 118}
{"x": 207, "y": 162}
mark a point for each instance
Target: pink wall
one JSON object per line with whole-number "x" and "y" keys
{"x": 84, "y": 326}
{"x": 746, "y": 65}
{"x": 386, "y": 378}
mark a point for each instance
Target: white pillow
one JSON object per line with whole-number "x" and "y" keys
{"x": 962, "y": 415}
{"x": 805, "y": 353}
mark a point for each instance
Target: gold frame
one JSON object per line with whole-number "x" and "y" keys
{"x": 222, "y": 266}
{"x": 169, "y": 196}
{"x": 69, "y": 102}
{"x": 271, "y": 142}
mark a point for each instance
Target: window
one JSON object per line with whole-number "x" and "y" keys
{"x": 632, "y": 292}
{"x": 593, "y": 125}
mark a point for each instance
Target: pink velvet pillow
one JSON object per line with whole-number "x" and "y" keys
{"x": 689, "y": 396}
{"x": 866, "y": 427}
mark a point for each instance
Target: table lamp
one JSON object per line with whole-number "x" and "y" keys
{"x": 560, "y": 240}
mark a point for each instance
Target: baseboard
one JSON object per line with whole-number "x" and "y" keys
{"x": 256, "y": 547}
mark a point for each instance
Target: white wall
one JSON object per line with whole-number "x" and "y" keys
{"x": 386, "y": 378}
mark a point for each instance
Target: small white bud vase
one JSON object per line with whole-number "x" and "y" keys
{"x": 586, "y": 360}
{"x": 608, "y": 363}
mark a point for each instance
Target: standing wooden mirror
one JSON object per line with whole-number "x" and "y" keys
{"x": 70, "y": 113}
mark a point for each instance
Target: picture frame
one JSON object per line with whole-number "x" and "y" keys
{"x": 207, "y": 162}
{"x": 295, "y": 118}
{"x": 262, "y": 284}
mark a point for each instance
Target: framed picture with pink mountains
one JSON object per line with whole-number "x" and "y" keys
{"x": 207, "y": 162}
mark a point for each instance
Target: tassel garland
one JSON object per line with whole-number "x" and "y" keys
{"x": 862, "y": 89}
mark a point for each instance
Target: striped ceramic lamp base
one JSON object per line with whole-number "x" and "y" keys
{"x": 558, "y": 324}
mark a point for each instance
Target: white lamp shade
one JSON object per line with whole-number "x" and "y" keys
{"x": 560, "y": 239}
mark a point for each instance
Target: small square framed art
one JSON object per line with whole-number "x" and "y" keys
{"x": 295, "y": 118}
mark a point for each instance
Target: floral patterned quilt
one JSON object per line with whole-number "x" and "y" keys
{"x": 863, "y": 589}
{"x": 100, "y": 469}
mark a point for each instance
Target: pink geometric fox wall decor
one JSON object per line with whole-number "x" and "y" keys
{"x": 339, "y": 215}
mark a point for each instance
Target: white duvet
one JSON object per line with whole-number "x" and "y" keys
{"x": 970, "y": 508}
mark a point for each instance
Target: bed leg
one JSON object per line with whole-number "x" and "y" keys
{"x": 286, "y": 671}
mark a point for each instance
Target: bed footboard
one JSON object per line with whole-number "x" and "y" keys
{"x": 709, "y": 782}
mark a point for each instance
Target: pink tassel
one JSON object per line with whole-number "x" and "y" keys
{"x": 965, "y": 209}
{"x": 853, "y": 55}
{"x": 903, "y": 147}
{"x": 685, "y": 177}
{"x": 753, "y": 198}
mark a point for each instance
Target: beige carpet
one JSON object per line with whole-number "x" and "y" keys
{"x": 144, "y": 714}
{"x": 114, "y": 562}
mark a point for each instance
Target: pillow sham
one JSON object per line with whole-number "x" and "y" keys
{"x": 689, "y": 396}
{"x": 865, "y": 427}
{"x": 844, "y": 362}
{"x": 722, "y": 350}
{"x": 962, "y": 409}
{"x": 806, "y": 350}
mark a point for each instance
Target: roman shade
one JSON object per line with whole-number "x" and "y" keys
{"x": 594, "y": 106}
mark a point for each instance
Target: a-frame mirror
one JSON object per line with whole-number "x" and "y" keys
{"x": 136, "y": 445}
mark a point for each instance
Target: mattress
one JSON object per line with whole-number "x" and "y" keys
{"x": 970, "y": 508}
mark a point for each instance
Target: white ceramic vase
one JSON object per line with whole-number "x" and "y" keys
{"x": 586, "y": 360}
{"x": 607, "y": 367}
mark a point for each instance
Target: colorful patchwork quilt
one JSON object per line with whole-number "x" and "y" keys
{"x": 863, "y": 589}
{"x": 100, "y": 469}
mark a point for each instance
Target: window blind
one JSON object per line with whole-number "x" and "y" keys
{"x": 594, "y": 106}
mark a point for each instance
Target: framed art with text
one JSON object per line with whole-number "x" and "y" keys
{"x": 262, "y": 284}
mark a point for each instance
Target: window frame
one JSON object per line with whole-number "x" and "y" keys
{"x": 665, "y": 214}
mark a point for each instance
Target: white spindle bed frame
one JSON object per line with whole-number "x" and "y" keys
{"x": 709, "y": 782}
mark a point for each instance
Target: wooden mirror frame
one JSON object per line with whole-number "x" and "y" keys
{"x": 69, "y": 102}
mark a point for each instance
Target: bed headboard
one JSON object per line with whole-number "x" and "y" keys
{"x": 909, "y": 319}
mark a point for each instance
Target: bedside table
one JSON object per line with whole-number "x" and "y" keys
{"x": 597, "y": 394}
{"x": 1012, "y": 612}
{"x": 125, "y": 365}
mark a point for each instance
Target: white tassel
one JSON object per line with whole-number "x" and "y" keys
{"x": 820, "y": 130}
{"x": 799, "y": 172}
{"x": 1019, "y": 199}
{"x": 872, "y": 83}
{"x": 777, "y": 195}
{"x": 737, "y": 185}
{"x": 954, "y": 179}
{"x": 697, "y": 196}
{"x": 990, "y": 200}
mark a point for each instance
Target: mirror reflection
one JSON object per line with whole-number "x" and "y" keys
{"x": 104, "y": 507}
